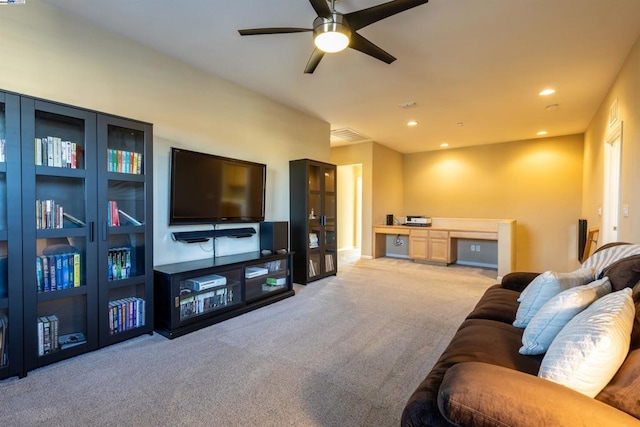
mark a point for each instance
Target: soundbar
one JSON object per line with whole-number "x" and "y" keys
{"x": 204, "y": 235}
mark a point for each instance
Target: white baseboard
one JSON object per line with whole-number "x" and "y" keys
{"x": 478, "y": 264}
{"x": 400, "y": 256}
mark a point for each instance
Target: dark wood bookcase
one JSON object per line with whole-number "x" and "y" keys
{"x": 313, "y": 219}
{"x": 11, "y": 353}
{"x": 58, "y": 228}
{"x": 193, "y": 294}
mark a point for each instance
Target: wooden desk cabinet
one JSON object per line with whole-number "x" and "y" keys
{"x": 430, "y": 245}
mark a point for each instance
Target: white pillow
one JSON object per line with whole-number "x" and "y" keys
{"x": 543, "y": 288}
{"x": 557, "y": 312}
{"x": 588, "y": 352}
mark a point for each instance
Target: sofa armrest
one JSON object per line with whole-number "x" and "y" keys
{"x": 517, "y": 280}
{"x": 479, "y": 394}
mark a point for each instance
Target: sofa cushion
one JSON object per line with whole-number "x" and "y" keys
{"x": 623, "y": 391}
{"x": 605, "y": 257}
{"x": 497, "y": 303}
{"x": 624, "y": 273}
{"x": 557, "y": 312}
{"x": 588, "y": 351}
{"x": 471, "y": 395}
{"x": 477, "y": 340}
{"x": 543, "y": 288}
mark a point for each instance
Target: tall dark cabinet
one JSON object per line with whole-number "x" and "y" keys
{"x": 313, "y": 219}
{"x": 11, "y": 355}
{"x": 87, "y": 265}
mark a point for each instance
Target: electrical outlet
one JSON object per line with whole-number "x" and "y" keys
{"x": 625, "y": 210}
{"x": 477, "y": 248}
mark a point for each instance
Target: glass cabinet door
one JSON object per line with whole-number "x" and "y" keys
{"x": 10, "y": 239}
{"x": 266, "y": 278}
{"x": 125, "y": 258}
{"x": 59, "y": 228}
{"x": 203, "y": 295}
{"x": 330, "y": 213}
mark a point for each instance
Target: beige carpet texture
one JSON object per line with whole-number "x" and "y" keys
{"x": 344, "y": 351}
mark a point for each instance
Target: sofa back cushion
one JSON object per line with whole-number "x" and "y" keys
{"x": 623, "y": 391}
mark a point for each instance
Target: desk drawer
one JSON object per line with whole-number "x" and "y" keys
{"x": 438, "y": 234}
{"x": 419, "y": 233}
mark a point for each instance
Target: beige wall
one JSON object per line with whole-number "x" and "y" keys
{"x": 381, "y": 184}
{"x": 49, "y": 54}
{"x": 388, "y": 183}
{"x": 537, "y": 182}
{"x": 626, "y": 89}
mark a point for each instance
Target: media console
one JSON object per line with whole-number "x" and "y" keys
{"x": 194, "y": 294}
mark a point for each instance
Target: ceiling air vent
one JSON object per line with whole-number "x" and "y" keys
{"x": 347, "y": 136}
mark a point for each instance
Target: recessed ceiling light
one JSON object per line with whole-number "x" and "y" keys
{"x": 547, "y": 92}
{"x": 412, "y": 123}
{"x": 542, "y": 132}
{"x": 444, "y": 145}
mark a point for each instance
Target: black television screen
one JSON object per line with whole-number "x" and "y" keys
{"x": 207, "y": 189}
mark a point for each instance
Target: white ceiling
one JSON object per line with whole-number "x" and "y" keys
{"x": 476, "y": 62}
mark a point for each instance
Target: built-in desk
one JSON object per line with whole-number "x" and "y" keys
{"x": 438, "y": 243}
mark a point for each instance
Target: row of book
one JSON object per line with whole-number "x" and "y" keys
{"x": 47, "y": 334}
{"x": 4, "y": 332}
{"x": 3, "y": 152}
{"x": 313, "y": 270}
{"x": 60, "y": 271}
{"x": 49, "y": 340}
{"x": 274, "y": 266}
{"x": 117, "y": 217}
{"x": 53, "y": 151}
{"x": 191, "y": 305}
{"x": 119, "y": 263}
{"x": 124, "y": 161}
{"x": 49, "y": 214}
{"x": 126, "y": 314}
{"x": 329, "y": 264}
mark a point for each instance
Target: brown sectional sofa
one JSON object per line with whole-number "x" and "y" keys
{"x": 482, "y": 380}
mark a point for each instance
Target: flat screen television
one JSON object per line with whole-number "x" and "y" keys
{"x": 208, "y": 189}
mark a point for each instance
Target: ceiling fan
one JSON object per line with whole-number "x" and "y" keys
{"x": 334, "y": 31}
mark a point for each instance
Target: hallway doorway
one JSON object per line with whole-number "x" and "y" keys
{"x": 350, "y": 210}
{"x": 612, "y": 177}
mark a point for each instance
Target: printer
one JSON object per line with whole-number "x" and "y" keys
{"x": 418, "y": 220}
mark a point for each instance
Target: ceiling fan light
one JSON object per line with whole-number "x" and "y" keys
{"x": 331, "y": 41}
{"x": 331, "y": 35}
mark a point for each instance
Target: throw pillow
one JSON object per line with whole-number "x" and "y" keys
{"x": 543, "y": 288}
{"x": 557, "y": 312}
{"x": 588, "y": 352}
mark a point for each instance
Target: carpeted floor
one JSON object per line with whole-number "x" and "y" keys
{"x": 344, "y": 351}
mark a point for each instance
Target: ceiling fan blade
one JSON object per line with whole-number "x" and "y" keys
{"x": 364, "y": 17}
{"x": 276, "y": 30}
{"x": 363, "y": 45}
{"x": 321, "y": 7}
{"x": 313, "y": 62}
